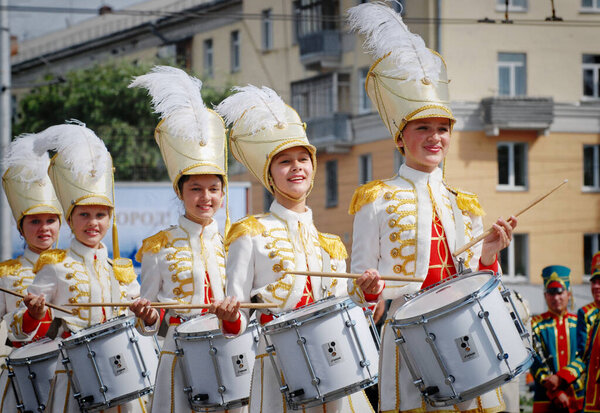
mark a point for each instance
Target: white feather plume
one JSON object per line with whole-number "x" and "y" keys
{"x": 385, "y": 32}
{"x": 262, "y": 108}
{"x": 20, "y": 154}
{"x": 176, "y": 97}
{"x": 83, "y": 152}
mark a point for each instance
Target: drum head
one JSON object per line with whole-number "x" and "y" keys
{"x": 310, "y": 310}
{"x": 112, "y": 324}
{"x": 34, "y": 349}
{"x": 202, "y": 323}
{"x": 444, "y": 295}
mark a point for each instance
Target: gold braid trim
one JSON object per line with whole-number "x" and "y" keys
{"x": 153, "y": 244}
{"x": 365, "y": 194}
{"x": 9, "y": 267}
{"x": 49, "y": 257}
{"x": 247, "y": 226}
{"x": 333, "y": 245}
{"x": 123, "y": 270}
{"x": 467, "y": 201}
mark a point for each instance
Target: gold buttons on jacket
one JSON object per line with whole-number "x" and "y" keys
{"x": 177, "y": 291}
{"x": 276, "y": 268}
{"x": 387, "y": 196}
{"x": 398, "y": 269}
{"x": 392, "y": 223}
{"x": 395, "y": 252}
{"x": 272, "y": 254}
{"x": 393, "y": 237}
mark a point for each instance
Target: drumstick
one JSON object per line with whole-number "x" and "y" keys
{"x": 491, "y": 229}
{"x": 56, "y": 307}
{"x": 171, "y": 305}
{"x": 350, "y": 275}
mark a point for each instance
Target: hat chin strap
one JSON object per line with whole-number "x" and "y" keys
{"x": 286, "y": 196}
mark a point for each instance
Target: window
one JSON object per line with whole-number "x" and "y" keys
{"x": 183, "y": 53}
{"x": 514, "y": 259}
{"x": 590, "y": 5}
{"x": 364, "y": 103}
{"x": 332, "y": 184}
{"x": 365, "y": 168}
{"x": 591, "y": 167}
{"x": 512, "y": 74}
{"x": 322, "y": 96}
{"x": 235, "y": 50}
{"x": 591, "y": 245}
{"x": 267, "y": 200}
{"x": 315, "y": 16}
{"x": 513, "y": 5}
{"x": 512, "y": 165}
{"x": 208, "y": 57}
{"x": 591, "y": 75}
{"x": 267, "y": 30}
{"x": 398, "y": 160}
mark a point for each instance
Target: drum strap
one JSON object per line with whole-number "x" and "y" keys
{"x": 56, "y": 328}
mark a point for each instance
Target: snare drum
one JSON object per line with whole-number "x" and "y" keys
{"x": 323, "y": 351}
{"x": 110, "y": 363}
{"x": 217, "y": 370}
{"x": 31, "y": 369}
{"x": 459, "y": 339}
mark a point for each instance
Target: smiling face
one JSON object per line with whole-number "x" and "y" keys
{"x": 89, "y": 224}
{"x": 292, "y": 172}
{"x": 40, "y": 231}
{"x": 202, "y": 196}
{"x": 425, "y": 143}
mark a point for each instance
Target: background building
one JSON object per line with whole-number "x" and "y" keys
{"x": 525, "y": 85}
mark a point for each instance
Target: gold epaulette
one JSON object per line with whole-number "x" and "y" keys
{"x": 9, "y": 267}
{"x": 333, "y": 245}
{"x": 49, "y": 257}
{"x": 247, "y": 226}
{"x": 365, "y": 194}
{"x": 467, "y": 201}
{"x": 153, "y": 244}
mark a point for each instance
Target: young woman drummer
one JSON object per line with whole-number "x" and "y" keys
{"x": 184, "y": 264}
{"x": 409, "y": 225}
{"x": 82, "y": 175}
{"x": 37, "y": 213}
{"x": 268, "y": 137}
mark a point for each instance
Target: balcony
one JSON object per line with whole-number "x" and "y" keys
{"x": 330, "y": 134}
{"x": 517, "y": 113}
{"x": 320, "y": 49}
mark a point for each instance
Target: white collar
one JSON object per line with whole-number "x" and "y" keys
{"x": 291, "y": 216}
{"x": 101, "y": 253}
{"x": 195, "y": 229}
{"x": 30, "y": 256}
{"x": 419, "y": 176}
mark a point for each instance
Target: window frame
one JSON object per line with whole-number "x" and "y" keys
{"x": 208, "y": 56}
{"x": 594, "y": 8}
{"x": 511, "y": 186}
{"x": 512, "y": 66}
{"x": 595, "y": 67}
{"x": 594, "y": 247}
{"x": 235, "y": 51}
{"x": 510, "y": 275}
{"x": 331, "y": 188}
{"x": 595, "y": 187}
{"x": 365, "y": 168}
{"x": 364, "y": 103}
{"x": 500, "y": 6}
{"x": 266, "y": 24}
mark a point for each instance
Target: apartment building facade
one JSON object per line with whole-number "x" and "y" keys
{"x": 525, "y": 85}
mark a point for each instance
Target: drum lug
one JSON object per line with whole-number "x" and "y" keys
{"x": 284, "y": 388}
{"x": 65, "y": 360}
{"x": 316, "y": 381}
{"x": 430, "y": 338}
{"x": 133, "y": 339}
{"x": 502, "y": 356}
{"x": 449, "y": 380}
{"x": 91, "y": 354}
{"x": 179, "y": 352}
{"x": 483, "y": 314}
{"x": 270, "y": 349}
{"x": 365, "y": 363}
{"x": 221, "y": 389}
{"x": 31, "y": 376}
{"x": 213, "y": 350}
{"x": 350, "y": 323}
{"x": 103, "y": 389}
{"x": 187, "y": 389}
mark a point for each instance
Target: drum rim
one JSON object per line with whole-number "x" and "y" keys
{"x": 92, "y": 407}
{"x": 76, "y": 339}
{"x": 17, "y": 361}
{"x": 274, "y": 325}
{"x": 233, "y": 404}
{"x": 332, "y": 395}
{"x": 484, "y": 291}
{"x": 208, "y": 334}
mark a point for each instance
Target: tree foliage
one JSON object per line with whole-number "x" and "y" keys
{"x": 122, "y": 117}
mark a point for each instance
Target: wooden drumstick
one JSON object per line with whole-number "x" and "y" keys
{"x": 56, "y": 307}
{"x": 491, "y": 229}
{"x": 354, "y": 276}
{"x": 172, "y": 305}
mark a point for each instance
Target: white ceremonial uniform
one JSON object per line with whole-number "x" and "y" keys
{"x": 16, "y": 275}
{"x": 78, "y": 274}
{"x": 176, "y": 265}
{"x": 261, "y": 248}
{"x": 392, "y": 233}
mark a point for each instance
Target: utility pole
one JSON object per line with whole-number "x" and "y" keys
{"x": 5, "y": 126}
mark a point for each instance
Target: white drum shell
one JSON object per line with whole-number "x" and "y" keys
{"x": 476, "y": 367}
{"x": 40, "y": 358}
{"x": 332, "y": 349}
{"x": 119, "y": 365}
{"x": 234, "y": 356}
